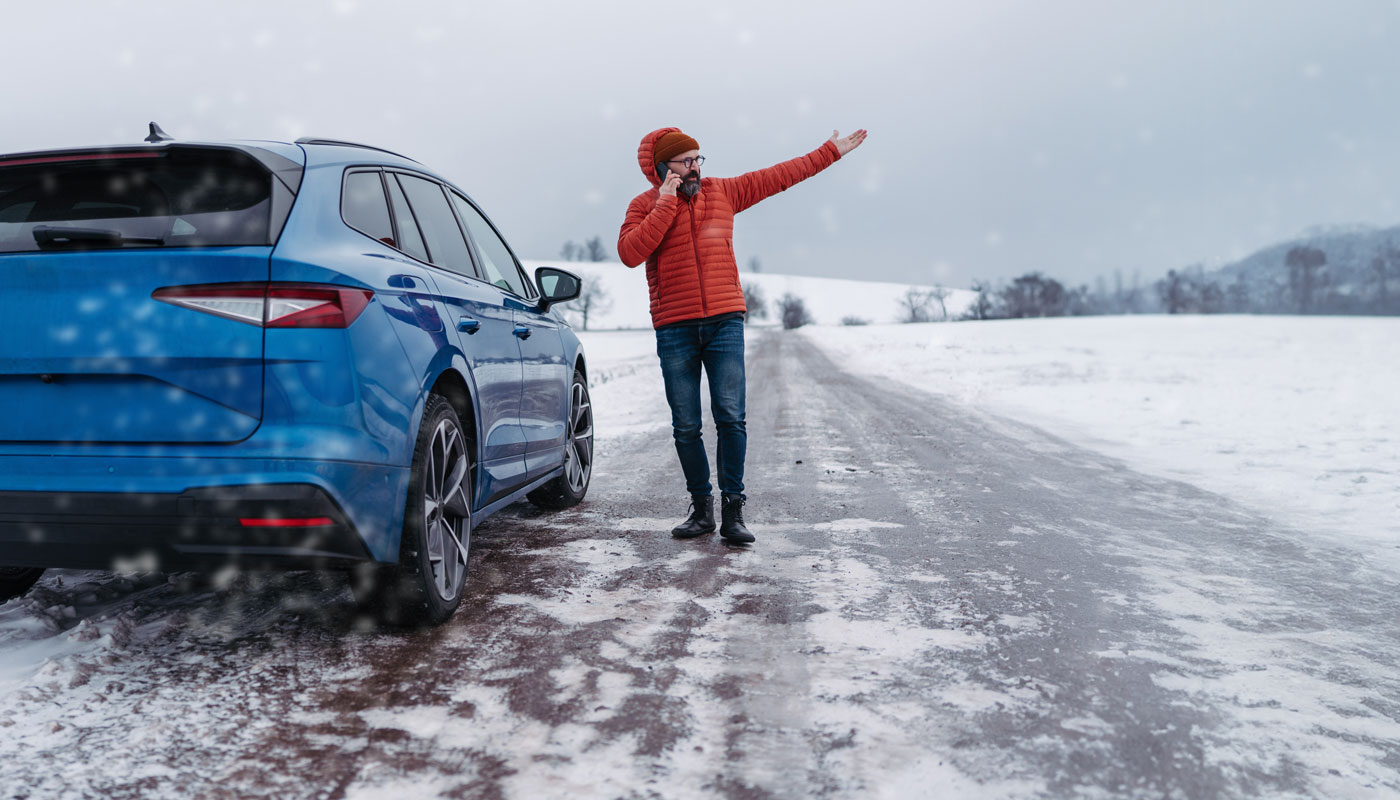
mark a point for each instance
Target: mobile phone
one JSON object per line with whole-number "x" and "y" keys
{"x": 661, "y": 170}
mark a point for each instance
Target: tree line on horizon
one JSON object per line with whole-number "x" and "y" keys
{"x": 591, "y": 250}
{"x": 1303, "y": 283}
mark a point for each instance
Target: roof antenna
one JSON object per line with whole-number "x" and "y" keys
{"x": 158, "y": 135}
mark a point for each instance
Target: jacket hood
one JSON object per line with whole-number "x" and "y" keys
{"x": 645, "y": 151}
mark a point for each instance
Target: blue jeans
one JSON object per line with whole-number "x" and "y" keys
{"x": 719, "y": 348}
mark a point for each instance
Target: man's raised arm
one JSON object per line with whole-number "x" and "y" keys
{"x": 748, "y": 189}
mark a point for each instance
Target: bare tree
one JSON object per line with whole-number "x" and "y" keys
{"x": 1385, "y": 265}
{"x": 940, "y": 296}
{"x": 592, "y": 299}
{"x": 571, "y": 251}
{"x": 982, "y": 306}
{"x": 793, "y": 311}
{"x": 1034, "y": 295}
{"x": 1102, "y": 302}
{"x": 1305, "y": 275}
{"x": 1188, "y": 291}
{"x": 1237, "y": 295}
{"x": 1079, "y": 302}
{"x": 914, "y": 305}
{"x": 596, "y": 251}
{"x": 1381, "y": 270}
{"x": 1210, "y": 298}
{"x": 1127, "y": 300}
{"x": 755, "y": 265}
{"x": 755, "y": 301}
{"x": 1136, "y": 300}
{"x": 1174, "y": 292}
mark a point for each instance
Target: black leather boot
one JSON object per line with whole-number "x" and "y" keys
{"x": 701, "y": 520}
{"x": 731, "y": 527}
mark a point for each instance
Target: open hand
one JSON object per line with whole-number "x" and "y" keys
{"x": 849, "y": 143}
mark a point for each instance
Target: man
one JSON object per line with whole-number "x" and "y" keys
{"x": 683, "y": 228}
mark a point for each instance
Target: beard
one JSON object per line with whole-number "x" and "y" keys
{"x": 690, "y": 185}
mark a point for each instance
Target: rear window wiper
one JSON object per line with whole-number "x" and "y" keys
{"x": 58, "y": 236}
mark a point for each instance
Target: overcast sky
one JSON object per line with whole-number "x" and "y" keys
{"x": 1077, "y": 137}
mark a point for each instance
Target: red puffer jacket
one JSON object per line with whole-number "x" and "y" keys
{"x": 688, "y": 243}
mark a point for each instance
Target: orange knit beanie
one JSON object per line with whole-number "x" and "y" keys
{"x": 673, "y": 144}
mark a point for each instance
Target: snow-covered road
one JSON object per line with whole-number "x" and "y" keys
{"x": 941, "y": 603}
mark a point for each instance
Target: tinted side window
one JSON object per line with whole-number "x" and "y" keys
{"x": 496, "y": 260}
{"x": 445, "y": 242}
{"x": 409, "y": 239}
{"x": 364, "y": 208}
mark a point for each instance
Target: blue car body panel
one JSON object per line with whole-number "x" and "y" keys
{"x": 155, "y": 399}
{"x": 133, "y": 369}
{"x": 491, "y": 355}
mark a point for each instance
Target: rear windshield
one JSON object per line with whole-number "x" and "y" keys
{"x": 178, "y": 197}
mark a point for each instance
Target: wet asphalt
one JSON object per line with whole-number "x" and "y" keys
{"x": 941, "y": 603}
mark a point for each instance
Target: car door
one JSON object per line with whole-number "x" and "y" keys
{"x": 403, "y": 286}
{"x": 484, "y": 329}
{"x": 544, "y": 400}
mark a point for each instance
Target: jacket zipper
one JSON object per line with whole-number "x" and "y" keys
{"x": 699, "y": 272}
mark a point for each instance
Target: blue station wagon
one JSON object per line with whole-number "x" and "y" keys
{"x": 298, "y": 355}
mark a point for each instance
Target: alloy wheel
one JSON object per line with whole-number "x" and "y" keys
{"x": 447, "y": 516}
{"x": 578, "y": 455}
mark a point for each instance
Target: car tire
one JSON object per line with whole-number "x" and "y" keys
{"x": 15, "y": 581}
{"x": 569, "y": 489}
{"x": 426, "y": 586}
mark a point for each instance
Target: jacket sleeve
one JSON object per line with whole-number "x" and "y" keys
{"x": 748, "y": 189}
{"x": 645, "y": 227}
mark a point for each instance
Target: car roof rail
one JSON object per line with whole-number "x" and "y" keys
{"x": 343, "y": 143}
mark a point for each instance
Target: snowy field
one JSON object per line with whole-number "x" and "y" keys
{"x": 1294, "y": 416}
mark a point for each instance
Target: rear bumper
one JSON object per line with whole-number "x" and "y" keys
{"x": 93, "y": 512}
{"x": 195, "y": 528}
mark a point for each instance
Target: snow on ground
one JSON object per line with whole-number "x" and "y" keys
{"x": 1294, "y": 416}
{"x": 1284, "y": 414}
{"x": 828, "y": 300}
{"x": 624, "y": 378}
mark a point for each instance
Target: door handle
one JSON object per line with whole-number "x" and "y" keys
{"x": 468, "y": 326}
{"x": 522, "y": 331}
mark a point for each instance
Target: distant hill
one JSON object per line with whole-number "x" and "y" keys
{"x": 1351, "y": 281}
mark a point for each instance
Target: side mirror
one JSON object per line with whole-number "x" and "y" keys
{"x": 556, "y": 286}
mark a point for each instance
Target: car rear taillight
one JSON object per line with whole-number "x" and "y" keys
{"x": 273, "y": 305}
{"x": 314, "y": 306}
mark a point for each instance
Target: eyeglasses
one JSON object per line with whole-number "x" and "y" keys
{"x": 689, "y": 162}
